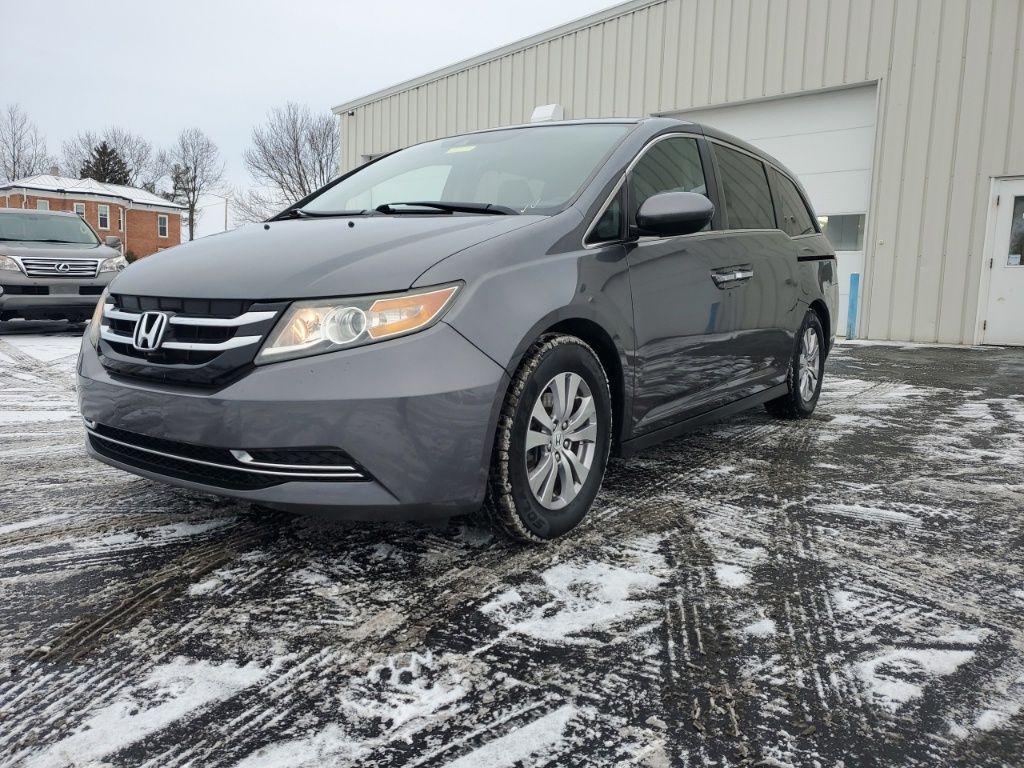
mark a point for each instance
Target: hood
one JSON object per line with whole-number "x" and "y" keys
{"x": 56, "y": 250}
{"x": 308, "y": 258}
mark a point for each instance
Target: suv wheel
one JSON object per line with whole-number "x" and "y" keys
{"x": 552, "y": 443}
{"x": 806, "y": 370}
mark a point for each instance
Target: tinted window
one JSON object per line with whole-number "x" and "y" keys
{"x": 671, "y": 165}
{"x": 33, "y": 227}
{"x": 536, "y": 170}
{"x": 748, "y": 200}
{"x": 609, "y": 226}
{"x": 794, "y": 218}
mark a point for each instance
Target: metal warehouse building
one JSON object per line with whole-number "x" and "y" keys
{"x": 903, "y": 118}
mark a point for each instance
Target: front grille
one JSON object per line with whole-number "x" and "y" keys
{"x": 218, "y": 467}
{"x": 25, "y": 290}
{"x": 40, "y": 266}
{"x": 206, "y": 341}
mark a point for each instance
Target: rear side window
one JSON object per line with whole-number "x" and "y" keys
{"x": 671, "y": 165}
{"x": 794, "y": 218}
{"x": 748, "y": 199}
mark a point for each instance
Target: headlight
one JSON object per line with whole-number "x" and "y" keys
{"x": 92, "y": 333}
{"x": 6, "y": 262}
{"x": 326, "y": 325}
{"x": 113, "y": 264}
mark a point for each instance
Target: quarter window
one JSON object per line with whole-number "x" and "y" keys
{"x": 748, "y": 199}
{"x": 103, "y": 215}
{"x": 609, "y": 226}
{"x": 794, "y": 218}
{"x": 161, "y": 225}
{"x": 671, "y": 165}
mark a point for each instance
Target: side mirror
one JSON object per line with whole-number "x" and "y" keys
{"x": 113, "y": 241}
{"x": 674, "y": 213}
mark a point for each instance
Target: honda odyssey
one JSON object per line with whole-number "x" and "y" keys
{"x": 471, "y": 323}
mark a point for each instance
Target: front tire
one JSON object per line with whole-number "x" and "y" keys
{"x": 806, "y": 370}
{"x": 552, "y": 442}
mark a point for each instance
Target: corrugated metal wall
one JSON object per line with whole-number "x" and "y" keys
{"x": 951, "y": 113}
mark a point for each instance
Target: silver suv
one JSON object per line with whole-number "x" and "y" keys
{"x": 53, "y": 265}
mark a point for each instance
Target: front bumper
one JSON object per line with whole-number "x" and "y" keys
{"x": 49, "y": 297}
{"x": 416, "y": 413}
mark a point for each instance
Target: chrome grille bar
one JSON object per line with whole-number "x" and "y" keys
{"x": 191, "y": 346}
{"x": 207, "y": 322}
{"x": 38, "y": 266}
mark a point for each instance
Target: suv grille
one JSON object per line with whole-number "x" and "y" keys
{"x": 219, "y": 467}
{"x": 37, "y": 266}
{"x": 206, "y": 341}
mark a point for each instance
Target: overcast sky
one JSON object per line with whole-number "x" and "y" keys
{"x": 156, "y": 68}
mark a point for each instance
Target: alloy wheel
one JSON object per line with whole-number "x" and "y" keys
{"x": 561, "y": 440}
{"x": 810, "y": 364}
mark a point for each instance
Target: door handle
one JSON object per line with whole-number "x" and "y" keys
{"x": 732, "y": 275}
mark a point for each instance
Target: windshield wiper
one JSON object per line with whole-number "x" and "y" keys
{"x": 299, "y": 213}
{"x": 492, "y": 208}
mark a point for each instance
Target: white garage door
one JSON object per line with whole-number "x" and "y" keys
{"x": 827, "y": 140}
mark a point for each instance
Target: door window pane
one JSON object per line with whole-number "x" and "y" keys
{"x": 794, "y": 218}
{"x": 748, "y": 200}
{"x": 846, "y": 232}
{"x": 671, "y": 165}
{"x": 1013, "y": 255}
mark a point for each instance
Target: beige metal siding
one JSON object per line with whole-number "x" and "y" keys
{"x": 951, "y": 113}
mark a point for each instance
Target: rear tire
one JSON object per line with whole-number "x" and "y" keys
{"x": 806, "y": 370}
{"x": 552, "y": 442}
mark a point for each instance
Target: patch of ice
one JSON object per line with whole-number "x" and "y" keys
{"x": 863, "y": 512}
{"x": 845, "y": 601}
{"x": 515, "y": 748}
{"x": 574, "y": 599}
{"x": 331, "y": 746}
{"x": 762, "y": 628}
{"x": 889, "y": 676}
{"x": 170, "y": 692}
{"x": 730, "y": 575}
{"x": 33, "y": 523}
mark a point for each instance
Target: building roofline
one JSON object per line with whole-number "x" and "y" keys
{"x": 620, "y": 9}
{"x": 11, "y": 188}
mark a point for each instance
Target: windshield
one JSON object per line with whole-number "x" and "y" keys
{"x": 535, "y": 170}
{"x": 40, "y": 228}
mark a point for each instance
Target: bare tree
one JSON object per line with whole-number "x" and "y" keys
{"x": 22, "y": 147}
{"x": 196, "y": 168}
{"x": 145, "y": 167}
{"x": 293, "y": 154}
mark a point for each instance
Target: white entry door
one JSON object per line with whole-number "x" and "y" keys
{"x": 1004, "y": 319}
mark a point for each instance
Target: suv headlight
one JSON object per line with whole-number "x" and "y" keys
{"x": 7, "y": 263}
{"x": 326, "y": 325}
{"x": 113, "y": 264}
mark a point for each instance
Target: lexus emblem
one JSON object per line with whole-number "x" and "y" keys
{"x": 149, "y": 331}
{"x": 63, "y": 267}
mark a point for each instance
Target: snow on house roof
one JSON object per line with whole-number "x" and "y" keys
{"x": 48, "y": 183}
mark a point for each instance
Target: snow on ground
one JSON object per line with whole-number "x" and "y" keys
{"x": 843, "y": 590}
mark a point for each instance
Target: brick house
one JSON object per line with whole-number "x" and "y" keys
{"x": 146, "y": 223}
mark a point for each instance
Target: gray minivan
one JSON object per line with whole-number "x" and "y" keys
{"x": 470, "y": 323}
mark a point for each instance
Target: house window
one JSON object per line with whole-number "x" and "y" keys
{"x": 845, "y": 232}
{"x": 120, "y": 219}
{"x": 80, "y": 209}
{"x": 42, "y": 205}
{"x": 103, "y": 213}
{"x": 161, "y": 225}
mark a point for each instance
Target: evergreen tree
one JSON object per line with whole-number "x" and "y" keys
{"x": 106, "y": 165}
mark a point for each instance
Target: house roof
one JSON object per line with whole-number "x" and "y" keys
{"x": 47, "y": 183}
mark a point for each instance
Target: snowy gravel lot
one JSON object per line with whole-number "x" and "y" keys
{"x": 848, "y": 590}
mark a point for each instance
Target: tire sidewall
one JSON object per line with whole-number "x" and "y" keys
{"x": 564, "y": 358}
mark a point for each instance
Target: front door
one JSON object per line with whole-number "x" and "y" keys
{"x": 1004, "y": 318}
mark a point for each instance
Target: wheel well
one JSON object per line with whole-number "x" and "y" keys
{"x": 822, "y": 312}
{"x": 598, "y": 338}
